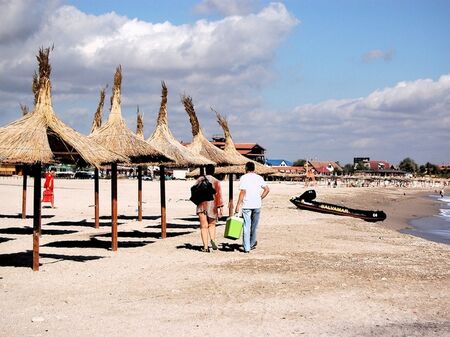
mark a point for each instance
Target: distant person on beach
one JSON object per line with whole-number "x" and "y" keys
{"x": 441, "y": 192}
{"x": 253, "y": 189}
{"x": 48, "y": 195}
{"x": 210, "y": 211}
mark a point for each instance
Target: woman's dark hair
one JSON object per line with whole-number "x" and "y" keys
{"x": 209, "y": 169}
{"x": 250, "y": 166}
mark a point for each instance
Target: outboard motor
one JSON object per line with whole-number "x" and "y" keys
{"x": 308, "y": 196}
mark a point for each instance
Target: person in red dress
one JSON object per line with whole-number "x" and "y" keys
{"x": 48, "y": 195}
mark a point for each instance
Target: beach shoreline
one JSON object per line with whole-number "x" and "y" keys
{"x": 312, "y": 274}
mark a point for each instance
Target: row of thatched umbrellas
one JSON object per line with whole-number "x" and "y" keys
{"x": 39, "y": 137}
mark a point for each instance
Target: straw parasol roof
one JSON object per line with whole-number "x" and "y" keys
{"x": 97, "y": 122}
{"x": 39, "y": 136}
{"x": 24, "y": 109}
{"x": 140, "y": 125}
{"x": 200, "y": 144}
{"x": 162, "y": 138}
{"x": 116, "y": 136}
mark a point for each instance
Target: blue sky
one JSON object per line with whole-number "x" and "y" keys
{"x": 328, "y": 80}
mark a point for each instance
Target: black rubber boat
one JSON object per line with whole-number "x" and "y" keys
{"x": 305, "y": 201}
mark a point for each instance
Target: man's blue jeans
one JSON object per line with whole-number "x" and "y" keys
{"x": 251, "y": 220}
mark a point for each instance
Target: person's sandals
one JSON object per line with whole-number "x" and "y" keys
{"x": 205, "y": 250}
{"x": 254, "y": 246}
{"x": 213, "y": 245}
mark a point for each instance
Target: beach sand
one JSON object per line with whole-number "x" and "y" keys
{"x": 311, "y": 275}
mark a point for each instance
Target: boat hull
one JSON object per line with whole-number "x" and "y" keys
{"x": 322, "y": 207}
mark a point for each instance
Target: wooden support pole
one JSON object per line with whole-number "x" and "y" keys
{"x": 24, "y": 191}
{"x": 96, "y": 199}
{"x": 139, "y": 172}
{"x": 114, "y": 207}
{"x": 162, "y": 180}
{"x": 230, "y": 194}
{"x": 36, "y": 215}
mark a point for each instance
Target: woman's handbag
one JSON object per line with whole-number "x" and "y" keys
{"x": 203, "y": 190}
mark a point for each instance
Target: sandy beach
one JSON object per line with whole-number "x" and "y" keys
{"x": 311, "y": 274}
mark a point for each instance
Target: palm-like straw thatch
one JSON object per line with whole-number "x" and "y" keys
{"x": 140, "y": 125}
{"x": 200, "y": 144}
{"x": 116, "y": 136}
{"x": 97, "y": 122}
{"x": 163, "y": 139}
{"x": 24, "y": 109}
{"x": 40, "y": 137}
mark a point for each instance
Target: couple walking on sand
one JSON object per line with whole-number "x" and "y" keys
{"x": 252, "y": 190}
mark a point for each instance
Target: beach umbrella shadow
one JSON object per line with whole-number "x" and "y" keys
{"x": 24, "y": 259}
{"x": 19, "y": 216}
{"x": 83, "y": 223}
{"x": 173, "y": 225}
{"x": 130, "y": 217}
{"x": 95, "y": 243}
{"x": 139, "y": 234}
{"x": 5, "y": 240}
{"x": 29, "y": 230}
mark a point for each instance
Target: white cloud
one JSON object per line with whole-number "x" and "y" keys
{"x": 411, "y": 118}
{"x": 378, "y": 54}
{"x": 229, "y": 7}
{"x": 221, "y": 63}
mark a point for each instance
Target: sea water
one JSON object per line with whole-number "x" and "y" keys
{"x": 435, "y": 228}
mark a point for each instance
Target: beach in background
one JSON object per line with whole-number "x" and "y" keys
{"x": 311, "y": 274}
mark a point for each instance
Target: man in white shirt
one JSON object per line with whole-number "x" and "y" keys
{"x": 253, "y": 189}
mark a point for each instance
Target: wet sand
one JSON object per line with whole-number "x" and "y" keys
{"x": 312, "y": 274}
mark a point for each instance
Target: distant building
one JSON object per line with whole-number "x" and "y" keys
{"x": 278, "y": 162}
{"x": 443, "y": 167}
{"x": 250, "y": 150}
{"x": 376, "y": 168}
{"x": 325, "y": 167}
{"x": 377, "y": 165}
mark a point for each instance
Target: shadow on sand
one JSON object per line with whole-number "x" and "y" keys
{"x": 223, "y": 247}
{"x": 5, "y": 239}
{"x": 139, "y": 234}
{"x": 82, "y": 223}
{"x": 94, "y": 243}
{"x": 19, "y": 216}
{"x": 29, "y": 230}
{"x": 174, "y": 225}
{"x": 25, "y": 259}
{"x": 130, "y": 217}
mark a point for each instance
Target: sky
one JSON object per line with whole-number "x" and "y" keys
{"x": 305, "y": 79}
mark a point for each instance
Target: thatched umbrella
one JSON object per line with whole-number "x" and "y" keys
{"x": 163, "y": 139}
{"x": 140, "y": 135}
{"x": 115, "y": 135}
{"x": 97, "y": 123}
{"x": 24, "y": 110}
{"x": 40, "y": 137}
{"x": 201, "y": 145}
{"x": 140, "y": 125}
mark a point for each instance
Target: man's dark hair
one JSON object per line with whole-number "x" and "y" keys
{"x": 250, "y": 166}
{"x": 209, "y": 169}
